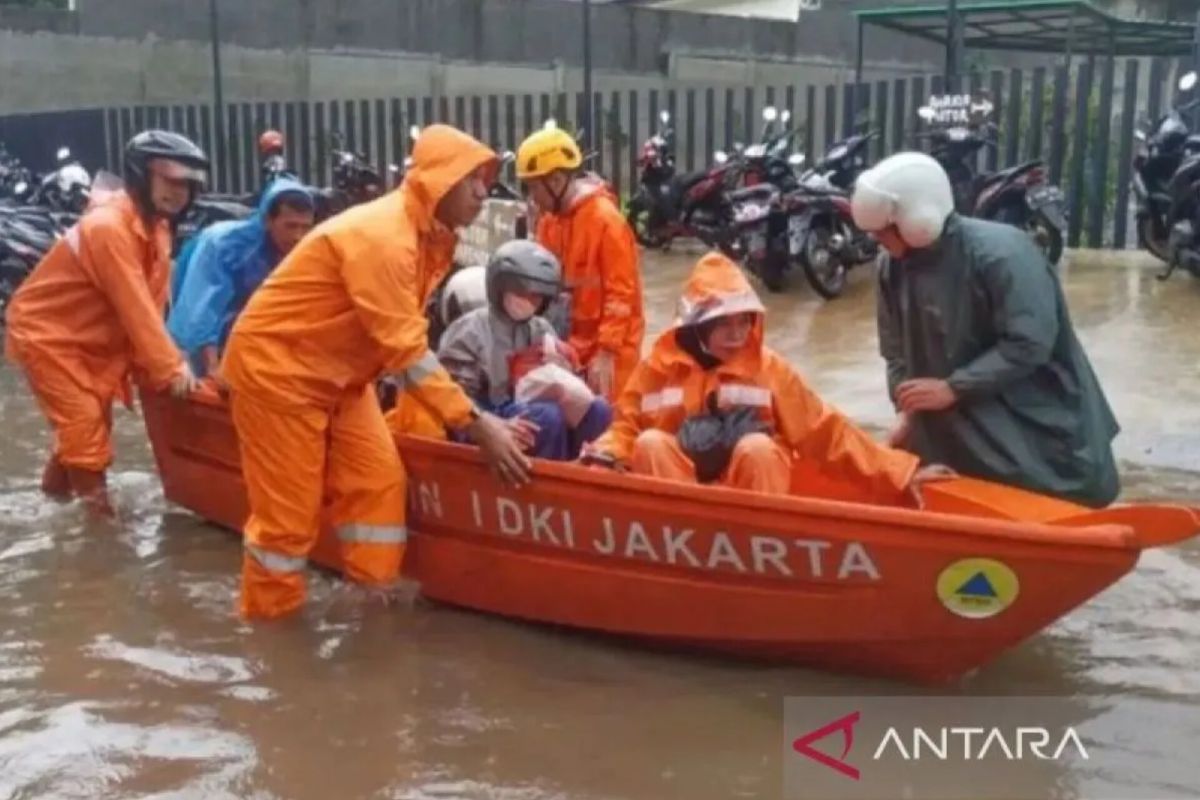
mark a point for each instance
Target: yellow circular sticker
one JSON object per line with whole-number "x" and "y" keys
{"x": 977, "y": 588}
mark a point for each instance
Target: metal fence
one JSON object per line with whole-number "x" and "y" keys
{"x": 1080, "y": 122}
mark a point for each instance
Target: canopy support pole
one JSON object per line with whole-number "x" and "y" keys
{"x": 954, "y": 45}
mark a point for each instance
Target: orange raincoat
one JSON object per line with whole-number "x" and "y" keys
{"x": 599, "y": 255}
{"x": 92, "y": 311}
{"x": 343, "y": 309}
{"x": 670, "y": 386}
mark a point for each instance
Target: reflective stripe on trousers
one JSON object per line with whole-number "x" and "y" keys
{"x": 361, "y": 532}
{"x": 273, "y": 562}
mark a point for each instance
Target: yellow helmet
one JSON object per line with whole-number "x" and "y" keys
{"x": 546, "y": 151}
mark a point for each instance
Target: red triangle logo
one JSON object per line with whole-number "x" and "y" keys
{"x": 845, "y": 724}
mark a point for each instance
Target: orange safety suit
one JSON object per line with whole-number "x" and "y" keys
{"x": 599, "y": 256}
{"x": 344, "y": 308}
{"x": 671, "y": 385}
{"x": 89, "y": 314}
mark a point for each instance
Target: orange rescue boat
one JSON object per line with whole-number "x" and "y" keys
{"x": 815, "y": 578}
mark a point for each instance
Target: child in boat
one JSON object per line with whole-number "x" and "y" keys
{"x": 713, "y": 404}
{"x": 508, "y": 359}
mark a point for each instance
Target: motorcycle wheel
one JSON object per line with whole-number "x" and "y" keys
{"x": 773, "y": 271}
{"x": 1154, "y": 245}
{"x": 824, "y": 270}
{"x": 640, "y": 216}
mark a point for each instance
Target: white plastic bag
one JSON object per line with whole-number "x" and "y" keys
{"x": 552, "y": 383}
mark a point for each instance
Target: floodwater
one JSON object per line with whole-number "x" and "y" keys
{"x": 124, "y": 674}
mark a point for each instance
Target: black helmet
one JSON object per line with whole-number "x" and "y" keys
{"x": 155, "y": 144}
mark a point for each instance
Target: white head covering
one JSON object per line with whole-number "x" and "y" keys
{"x": 908, "y": 190}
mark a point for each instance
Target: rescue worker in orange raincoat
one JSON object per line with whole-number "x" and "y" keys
{"x": 93, "y": 310}
{"x": 711, "y": 403}
{"x": 578, "y": 220}
{"x": 343, "y": 309}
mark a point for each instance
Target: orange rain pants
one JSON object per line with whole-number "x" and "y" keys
{"x": 759, "y": 463}
{"x": 303, "y": 461}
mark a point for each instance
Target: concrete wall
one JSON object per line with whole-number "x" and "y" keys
{"x": 629, "y": 38}
{"x": 44, "y": 71}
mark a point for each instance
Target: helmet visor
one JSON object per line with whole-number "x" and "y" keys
{"x": 177, "y": 171}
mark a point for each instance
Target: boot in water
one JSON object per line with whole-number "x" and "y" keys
{"x": 56, "y": 484}
{"x": 92, "y": 488}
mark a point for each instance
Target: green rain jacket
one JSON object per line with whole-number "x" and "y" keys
{"x": 984, "y": 310}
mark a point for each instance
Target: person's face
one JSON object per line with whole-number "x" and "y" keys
{"x": 170, "y": 187}
{"x": 891, "y": 241}
{"x": 544, "y": 192}
{"x": 464, "y": 201}
{"x": 728, "y": 335}
{"x": 287, "y": 227}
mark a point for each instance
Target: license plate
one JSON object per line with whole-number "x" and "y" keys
{"x": 1044, "y": 195}
{"x": 757, "y": 240}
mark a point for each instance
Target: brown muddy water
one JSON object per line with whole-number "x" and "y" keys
{"x": 125, "y": 674}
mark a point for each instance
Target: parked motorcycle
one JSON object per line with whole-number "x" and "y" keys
{"x": 1161, "y": 185}
{"x": 765, "y": 211}
{"x": 667, "y": 206}
{"x": 1019, "y": 196}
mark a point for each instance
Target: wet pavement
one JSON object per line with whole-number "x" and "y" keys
{"x": 124, "y": 674}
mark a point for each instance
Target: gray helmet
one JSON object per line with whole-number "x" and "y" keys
{"x": 525, "y": 266}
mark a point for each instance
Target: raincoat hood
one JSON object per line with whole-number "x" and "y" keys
{"x": 716, "y": 288}
{"x": 214, "y": 279}
{"x": 442, "y": 156}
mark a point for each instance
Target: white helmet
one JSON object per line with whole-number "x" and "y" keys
{"x": 465, "y": 291}
{"x": 908, "y": 190}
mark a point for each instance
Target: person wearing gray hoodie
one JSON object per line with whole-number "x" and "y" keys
{"x": 481, "y": 348}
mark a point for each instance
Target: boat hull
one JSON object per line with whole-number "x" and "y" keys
{"x": 825, "y": 583}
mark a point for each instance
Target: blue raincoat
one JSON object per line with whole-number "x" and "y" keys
{"x": 216, "y": 273}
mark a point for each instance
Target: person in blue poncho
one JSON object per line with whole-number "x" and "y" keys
{"x": 215, "y": 277}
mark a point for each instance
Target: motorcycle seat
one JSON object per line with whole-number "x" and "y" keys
{"x": 686, "y": 181}
{"x": 762, "y": 191}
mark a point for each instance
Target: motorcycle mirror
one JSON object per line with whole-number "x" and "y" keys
{"x": 796, "y": 159}
{"x": 393, "y": 169}
{"x": 550, "y": 124}
{"x": 770, "y": 114}
{"x": 926, "y": 113}
{"x": 664, "y": 116}
{"x": 507, "y": 156}
{"x": 1187, "y": 82}
{"x": 65, "y": 152}
{"x": 1139, "y": 135}
{"x": 786, "y": 116}
{"x": 414, "y": 132}
{"x": 720, "y": 156}
{"x": 20, "y": 188}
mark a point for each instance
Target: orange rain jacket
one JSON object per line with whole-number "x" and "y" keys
{"x": 670, "y": 386}
{"x": 90, "y": 313}
{"x": 599, "y": 255}
{"x": 348, "y": 304}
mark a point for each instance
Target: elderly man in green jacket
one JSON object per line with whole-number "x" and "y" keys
{"x": 982, "y": 360}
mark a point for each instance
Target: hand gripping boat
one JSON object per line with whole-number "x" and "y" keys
{"x": 819, "y": 578}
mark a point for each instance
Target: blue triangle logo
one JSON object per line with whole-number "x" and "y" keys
{"x": 977, "y": 586}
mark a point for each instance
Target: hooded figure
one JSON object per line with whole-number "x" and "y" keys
{"x": 481, "y": 349}
{"x": 345, "y": 308}
{"x": 711, "y": 370}
{"x": 982, "y": 361}
{"x": 580, "y": 221}
{"x": 212, "y": 282}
